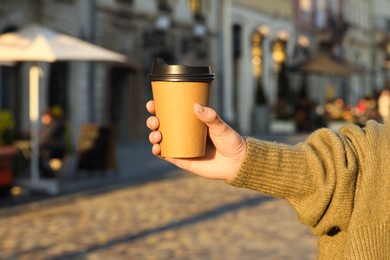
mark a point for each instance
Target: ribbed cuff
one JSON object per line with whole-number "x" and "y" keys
{"x": 368, "y": 242}
{"x": 271, "y": 168}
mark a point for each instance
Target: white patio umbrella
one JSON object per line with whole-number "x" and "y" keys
{"x": 35, "y": 43}
{"x": 7, "y": 63}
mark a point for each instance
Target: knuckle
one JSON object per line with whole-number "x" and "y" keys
{"x": 151, "y": 137}
{"x": 152, "y": 123}
{"x": 149, "y": 122}
{"x": 212, "y": 115}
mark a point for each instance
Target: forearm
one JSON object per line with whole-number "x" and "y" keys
{"x": 316, "y": 177}
{"x": 271, "y": 168}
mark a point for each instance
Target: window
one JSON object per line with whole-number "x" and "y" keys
{"x": 198, "y": 8}
{"x": 125, "y": 1}
{"x": 305, "y": 5}
{"x": 321, "y": 14}
{"x": 163, "y": 5}
{"x": 66, "y": 1}
{"x": 305, "y": 11}
{"x": 257, "y": 66}
{"x": 335, "y": 7}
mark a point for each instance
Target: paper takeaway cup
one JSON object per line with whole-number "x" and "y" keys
{"x": 176, "y": 88}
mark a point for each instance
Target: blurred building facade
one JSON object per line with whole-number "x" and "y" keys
{"x": 252, "y": 45}
{"x": 257, "y": 45}
{"x": 380, "y": 27}
{"x": 179, "y": 31}
{"x": 270, "y": 39}
{"x": 355, "y": 33}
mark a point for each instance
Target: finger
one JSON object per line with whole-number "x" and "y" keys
{"x": 156, "y": 149}
{"x": 150, "y": 107}
{"x": 153, "y": 123}
{"x": 155, "y": 137}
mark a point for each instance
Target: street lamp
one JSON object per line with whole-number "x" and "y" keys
{"x": 303, "y": 41}
{"x": 278, "y": 53}
{"x": 386, "y": 64}
{"x": 264, "y": 30}
{"x": 199, "y": 30}
{"x": 279, "y": 48}
{"x": 162, "y": 23}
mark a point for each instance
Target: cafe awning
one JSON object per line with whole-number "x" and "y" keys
{"x": 325, "y": 64}
{"x": 35, "y": 43}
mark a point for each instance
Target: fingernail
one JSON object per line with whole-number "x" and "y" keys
{"x": 199, "y": 108}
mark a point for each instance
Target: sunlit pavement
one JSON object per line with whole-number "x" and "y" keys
{"x": 135, "y": 164}
{"x": 155, "y": 211}
{"x": 179, "y": 217}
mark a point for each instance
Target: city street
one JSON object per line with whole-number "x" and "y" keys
{"x": 79, "y": 178}
{"x": 178, "y": 217}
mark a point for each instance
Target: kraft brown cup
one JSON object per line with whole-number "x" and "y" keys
{"x": 183, "y": 134}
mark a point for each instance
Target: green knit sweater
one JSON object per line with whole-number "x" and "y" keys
{"x": 339, "y": 184}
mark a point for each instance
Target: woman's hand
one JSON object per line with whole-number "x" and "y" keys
{"x": 225, "y": 150}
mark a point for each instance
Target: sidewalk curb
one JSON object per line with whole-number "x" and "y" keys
{"x": 102, "y": 187}
{"x": 138, "y": 166}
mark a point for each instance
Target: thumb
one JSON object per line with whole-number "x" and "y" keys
{"x": 227, "y": 141}
{"x": 217, "y": 127}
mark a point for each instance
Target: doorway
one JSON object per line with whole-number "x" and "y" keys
{"x": 124, "y": 103}
{"x": 58, "y": 85}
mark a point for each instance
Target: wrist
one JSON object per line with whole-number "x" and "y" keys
{"x": 241, "y": 155}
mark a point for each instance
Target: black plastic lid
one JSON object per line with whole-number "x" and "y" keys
{"x": 164, "y": 72}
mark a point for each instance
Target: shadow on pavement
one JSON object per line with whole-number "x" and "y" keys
{"x": 252, "y": 202}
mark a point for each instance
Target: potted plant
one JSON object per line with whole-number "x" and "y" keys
{"x": 7, "y": 125}
{"x": 7, "y": 151}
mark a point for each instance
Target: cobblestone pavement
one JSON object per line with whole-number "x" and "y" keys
{"x": 180, "y": 217}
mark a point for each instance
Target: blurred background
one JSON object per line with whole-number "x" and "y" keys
{"x": 291, "y": 58}
{"x": 283, "y": 69}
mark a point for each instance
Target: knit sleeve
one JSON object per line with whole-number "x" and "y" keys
{"x": 317, "y": 177}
